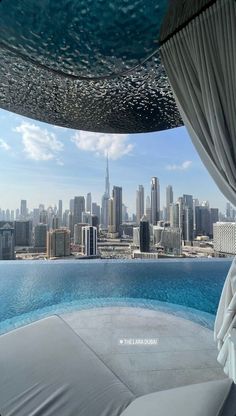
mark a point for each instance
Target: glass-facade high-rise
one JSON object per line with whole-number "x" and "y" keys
{"x": 139, "y": 203}
{"x": 144, "y": 235}
{"x": 89, "y": 203}
{"x": 79, "y": 207}
{"x": 187, "y": 217}
{"x": 23, "y": 209}
{"x": 155, "y": 200}
{"x": 169, "y": 200}
{"x": 148, "y": 209}
{"x": 40, "y": 236}
{"x": 89, "y": 240}
{"x": 23, "y": 233}
{"x": 60, "y": 212}
{"x": 117, "y": 207}
{"x": 105, "y": 200}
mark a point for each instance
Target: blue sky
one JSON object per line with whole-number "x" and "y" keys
{"x": 43, "y": 163}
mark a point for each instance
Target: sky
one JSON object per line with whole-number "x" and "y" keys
{"x": 43, "y": 163}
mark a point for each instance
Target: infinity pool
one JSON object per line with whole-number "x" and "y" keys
{"x": 190, "y": 288}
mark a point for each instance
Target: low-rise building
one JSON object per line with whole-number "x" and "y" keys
{"x": 58, "y": 243}
{"x": 169, "y": 238}
{"x": 136, "y": 242}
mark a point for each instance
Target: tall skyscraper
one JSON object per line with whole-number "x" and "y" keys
{"x": 3, "y": 216}
{"x": 58, "y": 243}
{"x": 71, "y": 206}
{"x": 51, "y": 215}
{"x": 187, "y": 217}
{"x": 95, "y": 221}
{"x": 188, "y": 200}
{"x": 139, "y": 203}
{"x": 111, "y": 223}
{"x": 125, "y": 216}
{"x": 155, "y": 200}
{"x": 43, "y": 217}
{"x": 55, "y": 222}
{"x": 115, "y": 211}
{"x": 144, "y": 235}
{"x": 8, "y": 215}
{"x": 169, "y": 200}
{"x": 70, "y": 219}
{"x": 7, "y": 242}
{"x": 89, "y": 203}
{"x": 35, "y": 216}
{"x": 17, "y": 213}
{"x": 96, "y": 210}
{"x": 148, "y": 209}
{"x": 117, "y": 207}
{"x": 105, "y": 199}
{"x": 214, "y": 218}
{"x": 228, "y": 211}
{"x": 188, "y": 224}
{"x": 203, "y": 221}
{"x": 89, "y": 240}
{"x": 12, "y": 215}
{"x": 195, "y": 204}
{"x": 60, "y": 212}
{"x": 177, "y": 214}
{"x": 79, "y": 207}
{"x": 23, "y": 209}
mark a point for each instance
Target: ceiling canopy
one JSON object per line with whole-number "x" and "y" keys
{"x": 89, "y": 65}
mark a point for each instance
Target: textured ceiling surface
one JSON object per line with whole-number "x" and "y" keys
{"x": 89, "y": 65}
{"x": 179, "y": 14}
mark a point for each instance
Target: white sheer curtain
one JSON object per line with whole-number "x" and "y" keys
{"x": 200, "y": 61}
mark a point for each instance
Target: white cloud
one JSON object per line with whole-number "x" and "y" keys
{"x": 183, "y": 166}
{"x": 116, "y": 145}
{"x": 39, "y": 144}
{"x": 4, "y": 145}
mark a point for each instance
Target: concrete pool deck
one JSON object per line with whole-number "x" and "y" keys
{"x": 180, "y": 352}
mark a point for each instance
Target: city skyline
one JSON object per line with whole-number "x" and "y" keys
{"x": 60, "y": 232}
{"x": 24, "y": 206}
{"x": 46, "y": 163}
{"x": 24, "y": 210}
{"x": 106, "y": 208}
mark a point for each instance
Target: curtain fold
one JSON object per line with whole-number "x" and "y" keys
{"x": 200, "y": 62}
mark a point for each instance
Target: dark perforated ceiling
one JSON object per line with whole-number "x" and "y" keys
{"x": 89, "y": 65}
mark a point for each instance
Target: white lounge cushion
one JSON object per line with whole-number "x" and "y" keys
{"x": 205, "y": 399}
{"x": 47, "y": 370}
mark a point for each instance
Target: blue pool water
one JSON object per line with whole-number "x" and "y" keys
{"x": 189, "y": 288}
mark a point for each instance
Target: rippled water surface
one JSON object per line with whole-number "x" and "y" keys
{"x": 29, "y": 290}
